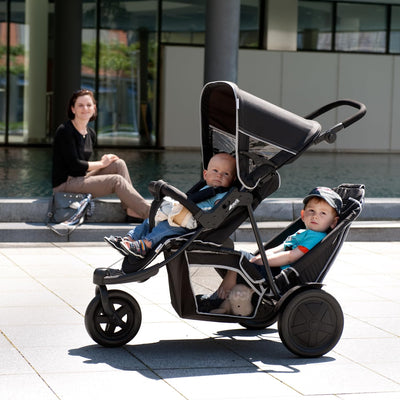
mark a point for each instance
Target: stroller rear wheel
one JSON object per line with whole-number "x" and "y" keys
{"x": 118, "y": 329}
{"x": 311, "y": 324}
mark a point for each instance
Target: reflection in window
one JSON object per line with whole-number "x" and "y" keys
{"x": 360, "y": 27}
{"x": 3, "y": 70}
{"x": 184, "y": 22}
{"x": 315, "y": 25}
{"x": 395, "y": 30}
{"x": 17, "y": 88}
{"x": 126, "y": 71}
{"x": 249, "y": 23}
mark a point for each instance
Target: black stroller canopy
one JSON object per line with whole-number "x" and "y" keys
{"x": 254, "y": 130}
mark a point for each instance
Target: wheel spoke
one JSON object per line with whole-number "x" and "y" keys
{"x": 110, "y": 328}
{"x": 103, "y": 319}
{"x": 122, "y": 311}
{"x": 321, "y": 311}
{"x": 306, "y": 312}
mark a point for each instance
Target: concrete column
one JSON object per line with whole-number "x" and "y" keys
{"x": 36, "y": 71}
{"x": 222, "y": 40}
{"x": 67, "y": 55}
{"x": 281, "y": 25}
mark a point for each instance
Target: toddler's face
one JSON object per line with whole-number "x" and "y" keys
{"x": 318, "y": 215}
{"x": 220, "y": 171}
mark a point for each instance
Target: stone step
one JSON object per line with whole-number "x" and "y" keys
{"x": 360, "y": 231}
{"x": 110, "y": 211}
{"x": 21, "y": 220}
{"x": 363, "y": 231}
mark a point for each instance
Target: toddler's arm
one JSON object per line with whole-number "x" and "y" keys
{"x": 278, "y": 259}
{"x": 257, "y": 259}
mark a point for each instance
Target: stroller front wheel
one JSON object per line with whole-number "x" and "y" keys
{"x": 118, "y": 329}
{"x": 311, "y": 324}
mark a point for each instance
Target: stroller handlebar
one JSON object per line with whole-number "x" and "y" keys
{"x": 330, "y": 134}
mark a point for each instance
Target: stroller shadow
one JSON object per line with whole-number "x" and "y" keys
{"x": 232, "y": 351}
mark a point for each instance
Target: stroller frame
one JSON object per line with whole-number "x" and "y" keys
{"x": 263, "y": 138}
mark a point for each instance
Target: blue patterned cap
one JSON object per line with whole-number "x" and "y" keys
{"x": 329, "y": 195}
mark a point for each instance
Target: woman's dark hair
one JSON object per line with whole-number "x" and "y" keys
{"x": 72, "y": 101}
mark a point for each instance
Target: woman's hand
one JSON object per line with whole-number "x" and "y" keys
{"x": 108, "y": 159}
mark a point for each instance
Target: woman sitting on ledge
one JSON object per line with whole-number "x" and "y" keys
{"x": 74, "y": 173}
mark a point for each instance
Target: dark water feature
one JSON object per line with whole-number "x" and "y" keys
{"x": 26, "y": 172}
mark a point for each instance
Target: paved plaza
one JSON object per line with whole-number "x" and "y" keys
{"x": 46, "y": 353}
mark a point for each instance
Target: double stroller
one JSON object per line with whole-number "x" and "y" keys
{"x": 262, "y": 137}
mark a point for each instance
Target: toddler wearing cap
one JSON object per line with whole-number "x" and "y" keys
{"x": 320, "y": 213}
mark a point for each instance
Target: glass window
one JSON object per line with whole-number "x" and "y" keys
{"x": 394, "y": 46}
{"x": 17, "y": 68}
{"x": 126, "y": 71}
{"x": 3, "y": 69}
{"x": 315, "y": 25}
{"x": 249, "y": 23}
{"x": 183, "y": 22}
{"x": 361, "y": 28}
{"x": 89, "y": 48}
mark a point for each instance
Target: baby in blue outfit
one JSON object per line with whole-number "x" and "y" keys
{"x": 219, "y": 175}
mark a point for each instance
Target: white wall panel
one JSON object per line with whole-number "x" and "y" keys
{"x": 367, "y": 78}
{"x": 260, "y": 74}
{"x": 309, "y": 82}
{"x": 297, "y": 81}
{"x": 395, "y": 128}
{"x": 181, "y": 87}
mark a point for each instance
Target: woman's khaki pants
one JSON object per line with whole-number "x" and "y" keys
{"x": 103, "y": 182}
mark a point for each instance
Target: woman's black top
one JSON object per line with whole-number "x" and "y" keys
{"x": 71, "y": 152}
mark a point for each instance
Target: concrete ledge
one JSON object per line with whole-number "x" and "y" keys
{"x": 110, "y": 211}
{"x": 360, "y": 231}
{"x": 21, "y": 220}
{"x": 35, "y": 210}
{"x": 38, "y": 232}
{"x": 288, "y": 209}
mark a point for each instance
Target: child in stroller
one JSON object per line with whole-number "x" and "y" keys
{"x": 218, "y": 177}
{"x": 263, "y": 138}
{"x": 320, "y": 214}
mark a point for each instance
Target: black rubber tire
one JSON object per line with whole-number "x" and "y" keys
{"x": 257, "y": 325}
{"x": 311, "y": 324}
{"x": 103, "y": 330}
{"x": 266, "y": 316}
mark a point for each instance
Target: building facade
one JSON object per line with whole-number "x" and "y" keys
{"x": 145, "y": 62}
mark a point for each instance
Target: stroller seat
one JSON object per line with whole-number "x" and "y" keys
{"x": 313, "y": 266}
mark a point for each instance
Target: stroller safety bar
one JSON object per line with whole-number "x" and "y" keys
{"x": 159, "y": 189}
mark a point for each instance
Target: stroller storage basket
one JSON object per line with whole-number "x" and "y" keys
{"x": 199, "y": 272}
